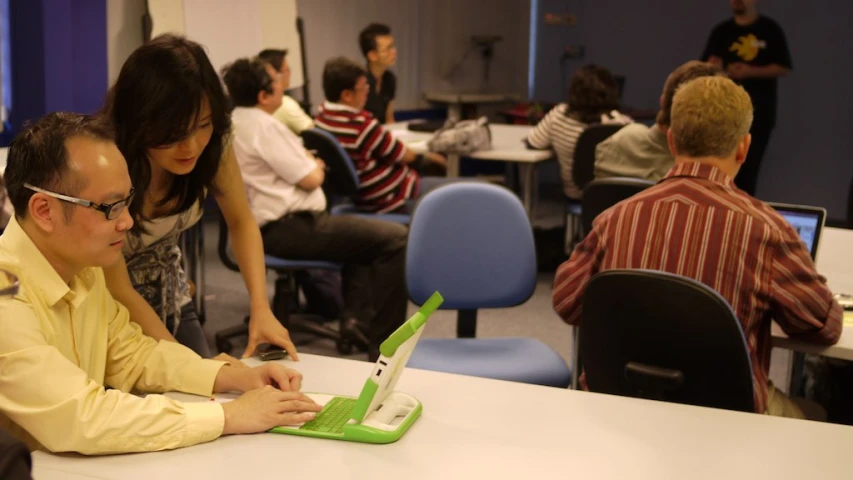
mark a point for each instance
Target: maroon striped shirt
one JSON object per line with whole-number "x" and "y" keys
{"x": 385, "y": 183}
{"x": 697, "y": 224}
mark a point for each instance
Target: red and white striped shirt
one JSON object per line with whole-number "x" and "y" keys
{"x": 697, "y": 224}
{"x": 385, "y": 183}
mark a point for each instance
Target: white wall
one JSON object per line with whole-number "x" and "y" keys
{"x": 431, "y": 36}
{"x": 124, "y": 32}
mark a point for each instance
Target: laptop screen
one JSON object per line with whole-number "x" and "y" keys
{"x": 807, "y": 221}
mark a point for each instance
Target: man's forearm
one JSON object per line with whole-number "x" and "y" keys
{"x": 228, "y": 380}
{"x": 769, "y": 71}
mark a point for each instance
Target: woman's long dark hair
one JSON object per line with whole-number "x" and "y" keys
{"x": 157, "y": 101}
{"x": 592, "y": 91}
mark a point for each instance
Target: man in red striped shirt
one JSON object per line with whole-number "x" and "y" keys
{"x": 695, "y": 222}
{"x": 387, "y": 170}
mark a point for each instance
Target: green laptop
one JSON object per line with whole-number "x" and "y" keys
{"x": 379, "y": 414}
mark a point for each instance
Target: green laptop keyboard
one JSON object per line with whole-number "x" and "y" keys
{"x": 333, "y": 417}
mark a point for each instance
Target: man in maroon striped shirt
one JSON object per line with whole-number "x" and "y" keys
{"x": 695, "y": 222}
{"x": 387, "y": 170}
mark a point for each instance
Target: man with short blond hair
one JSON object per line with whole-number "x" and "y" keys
{"x": 639, "y": 151}
{"x": 697, "y": 224}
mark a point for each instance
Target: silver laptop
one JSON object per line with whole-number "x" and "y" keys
{"x": 807, "y": 221}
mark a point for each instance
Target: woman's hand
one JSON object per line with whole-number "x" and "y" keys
{"x": 265, "y": 328}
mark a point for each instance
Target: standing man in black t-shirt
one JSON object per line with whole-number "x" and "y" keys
{"x": 378, "y": 48}
{"x": 753, "y": 51}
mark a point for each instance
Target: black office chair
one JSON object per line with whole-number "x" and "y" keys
{"x": 850, "y": 206}
{"x": 583, "y": 161}
{"x": 602, "y": 194}
{"x": 286, "y": 294}
{"x": 583, "y": 171}
{"x": 341, "y": 178}
{"x": 660, "y": 336}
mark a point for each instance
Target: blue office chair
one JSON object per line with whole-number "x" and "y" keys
{"x": 660, "y": 336}
{"x": 473, "y": 243}
{"x": 286, "y": 294}
{"x": 341, "y": 177}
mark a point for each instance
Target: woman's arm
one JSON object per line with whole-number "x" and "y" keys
{"x": 141, "y": 312}
{"x": 230, "y": 195}
{"x": 118, "y": 282}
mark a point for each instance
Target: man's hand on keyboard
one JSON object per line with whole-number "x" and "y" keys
{"x": 264, "y": 408}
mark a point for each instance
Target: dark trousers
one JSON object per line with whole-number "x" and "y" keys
{"x": 373, "y": 254}
{"x": 747, "y": 177}
{"x": 190, "y": 333}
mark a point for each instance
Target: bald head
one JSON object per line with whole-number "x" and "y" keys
{"x": 40, "y": 156}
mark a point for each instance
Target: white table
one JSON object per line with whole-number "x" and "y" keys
{"x": 835, "y": 262}
{"x": 479, "y": 428}
{"x": 507, "y": 146}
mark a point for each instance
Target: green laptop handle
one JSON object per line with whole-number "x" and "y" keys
{"x": 406, "y": 330}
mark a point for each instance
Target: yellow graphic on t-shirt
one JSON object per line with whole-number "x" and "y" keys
{"x": 746, "y": 47}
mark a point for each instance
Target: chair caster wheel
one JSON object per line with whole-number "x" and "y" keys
{"x": 224, "y": 345}
{"x": 344, "y": 347}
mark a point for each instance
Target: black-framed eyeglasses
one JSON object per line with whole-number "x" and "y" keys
{"x": 110, "y": 210}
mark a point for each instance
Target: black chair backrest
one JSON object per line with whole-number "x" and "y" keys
{"x": 850, "y": 206}
{"x": 341, "y": 176}
{"x": 603, "y": 193}
{"x": 656, "y": 335}
{"x": 583, "y": 166}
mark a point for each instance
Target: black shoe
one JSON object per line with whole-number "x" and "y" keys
{"x": 351, "y": 333}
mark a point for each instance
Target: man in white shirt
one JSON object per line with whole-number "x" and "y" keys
{"x": 283, "y": 184}
{"x": 290, "y": 113}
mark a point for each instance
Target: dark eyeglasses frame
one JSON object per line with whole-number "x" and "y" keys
{"x": 108, "y": 209}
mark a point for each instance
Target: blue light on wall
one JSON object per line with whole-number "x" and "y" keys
{"x": 531, "y": 61}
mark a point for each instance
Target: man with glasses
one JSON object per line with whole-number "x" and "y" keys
{"x": 388, "y": 171}
{"x": 379, "y": 49}
{"x": 64, "y": 336}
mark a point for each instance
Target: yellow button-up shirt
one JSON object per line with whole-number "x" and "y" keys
{"x": 61, "y": 344}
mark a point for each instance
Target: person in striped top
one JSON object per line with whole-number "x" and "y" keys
{"x": 593, "y": 98}
{"x": 387, "y": 170}
{"x": 696, "y": 223}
